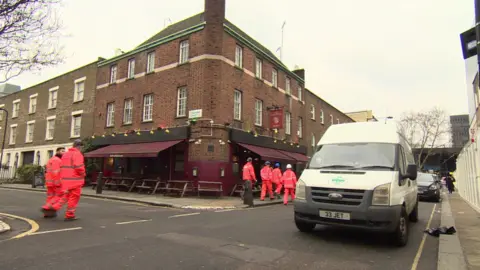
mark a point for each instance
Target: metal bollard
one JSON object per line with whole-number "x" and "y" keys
{"x": 100, "y": 183}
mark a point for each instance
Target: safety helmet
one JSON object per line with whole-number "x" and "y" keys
{"x": 289, "y": 166}
{"x": 277, "y": 165}
{"x": 249, "y": 159}
{"x": 267, "y": 162}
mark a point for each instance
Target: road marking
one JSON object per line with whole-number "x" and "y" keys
{"x": 60, "y": 230}
{"x": 420, "y": 248}
{"x": 33, "y": 225}
{"x": 133, "y": 221}
{"x": 184, "y": 215}
{"x": 225, "y": 210}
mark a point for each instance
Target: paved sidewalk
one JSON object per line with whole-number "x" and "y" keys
{"x": 201, "y": 203}
{"x": 467, "y": 223}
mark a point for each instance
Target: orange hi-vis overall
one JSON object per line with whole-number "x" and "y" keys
{"x": 72, "y": 173}
{"x": 276, "y": 179}
{"x": 52, "y": 181}
{"x": 289, "y": 181}
{"x": 266, "y": 174}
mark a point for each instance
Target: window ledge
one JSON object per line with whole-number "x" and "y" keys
{"x": 126, "y": 124}
{"x": 77, "y": 101}
{"x": 180, "y": 116}
{"x": 74, "y": 137}
{"x": 48, "y": 139}
{"x": 52, "y": 108}
{"x": 184, "y": 63}
{"x": 147, "y": 121}
{"x": 28, "y": 142}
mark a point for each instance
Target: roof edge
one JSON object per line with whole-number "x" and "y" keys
{"x": 258, "y": 50}
{"x": 330, "y": 104}
{"x": 166, "y": 39}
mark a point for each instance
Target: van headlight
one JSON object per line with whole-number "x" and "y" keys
{"x": 432, "y": 187}
{"x": 381, "y": 195}
{"x": 300, "y": 190}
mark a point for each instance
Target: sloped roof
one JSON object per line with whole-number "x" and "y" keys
{"x": 176, "y": 27}
{"x": 198, "y": 19}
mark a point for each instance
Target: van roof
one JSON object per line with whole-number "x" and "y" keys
{"x": 361, "y": 132}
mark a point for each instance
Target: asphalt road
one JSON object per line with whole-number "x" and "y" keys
{"x": 116, "y": 235}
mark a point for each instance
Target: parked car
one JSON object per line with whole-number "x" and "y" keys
{"x": 429, "y": 187}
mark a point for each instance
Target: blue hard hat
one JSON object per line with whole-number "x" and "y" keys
{"x": 277, "y": 165}
{"x": 267, "y": 162}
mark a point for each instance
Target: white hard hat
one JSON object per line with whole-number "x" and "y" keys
{"x": 289, "y": 166}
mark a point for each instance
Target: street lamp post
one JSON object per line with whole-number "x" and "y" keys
{"x": 4, "y": 134}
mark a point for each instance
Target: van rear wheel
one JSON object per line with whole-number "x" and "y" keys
{"x": 304, "y": 226}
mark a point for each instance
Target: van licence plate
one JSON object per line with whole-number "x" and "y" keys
{"x": 334, "y": 215}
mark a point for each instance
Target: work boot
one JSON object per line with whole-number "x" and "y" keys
{"x": 49, "y": 213}
{"x": 70, "y": 218}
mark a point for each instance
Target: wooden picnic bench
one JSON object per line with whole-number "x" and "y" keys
{"x": 149, "y": 185}
{"x": 179, "y": 186}
{"x": 207, "y": 186}
{"x": 239, "y": 189}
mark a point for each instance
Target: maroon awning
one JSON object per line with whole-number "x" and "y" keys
{"x": 267, "y": 153}
{"x": 132, "y": 150}
{"x": 298, "y": 157}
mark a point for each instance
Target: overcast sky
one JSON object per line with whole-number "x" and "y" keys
{"x": 388, "y": 56}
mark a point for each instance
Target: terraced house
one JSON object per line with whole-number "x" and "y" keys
{"x": 196, "y": 99}
{"x": 48, "y": 115}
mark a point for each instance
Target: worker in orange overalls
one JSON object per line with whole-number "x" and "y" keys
{"x": 276, "y": 177}
{"x": 289, "y": 181}
{"x": 266, "y": 174}
{"x": 52, "y": 181}
{"x": 72, "y": 173}
{"x": 249, "y": 179}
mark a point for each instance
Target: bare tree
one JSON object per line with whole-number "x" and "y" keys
{"x": 425, "y": 131}
{"x": 29, "y": 36}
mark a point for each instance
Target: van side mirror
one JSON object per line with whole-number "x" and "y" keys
{"x": 411, "y": 172}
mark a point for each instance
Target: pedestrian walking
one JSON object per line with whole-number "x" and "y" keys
{"x": 266, "y": 174}
{"x": 276, "y": 179}
{"x": 72, "y": 173}
{"x": 289, "y": 181}
{"x": 249, "y": 179}
{"x": 449, "y": 180}
{"x": 53, "y": 182}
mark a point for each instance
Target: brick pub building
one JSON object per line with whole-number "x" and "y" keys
{"x": 196, "y": 99}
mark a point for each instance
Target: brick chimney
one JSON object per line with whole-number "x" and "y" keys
{"x": 300, "y": 73}
{"x": 214, "y": 18}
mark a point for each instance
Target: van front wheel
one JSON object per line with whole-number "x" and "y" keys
{"x": 304, "y": 226}
{"x": 400, "y": 235}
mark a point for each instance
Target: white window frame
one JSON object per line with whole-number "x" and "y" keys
{"x": 110, "y": 119}
{"x": 113, "y": 73}
{"x": 50, "y": 119}
{"x": 75, "y": 115}
{"x": 300, "y": 127}
{"x": 275, "y": 78}
{"x": 16, "y": 104}
{"x": 312, "y": 112}
{"x": 13, "y": 135}
{"x": 331, "y": 119}
{"x": 131, "y": 68}
{"x": 182, "y": 95}
{"x": 1, "y": 112}
{"x": 258, "y": 68}
{"x": 258, "y": 112}
{"x": 79, "y": 95}
{"x": 30, "y": 129}
{"x": 288, "y": 88}
{"x": 32, "y": 104}
{"x": 239, "y": 56}
{"x": 288, "y": 123}
{"x": 300, "y": 93}
{"x": 52, "y": 92}
{"x": 237, "y": 105}
{"x": 150, "y": 62}
{"x": 184, "y": 51}
{"x": 128, "y": 111}
{"x": 147, "y": 112}
{"x": 322, "y": 117}
{"x": 314, "y": 142}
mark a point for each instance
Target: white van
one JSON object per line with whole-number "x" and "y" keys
{"x": 362, "y": 175}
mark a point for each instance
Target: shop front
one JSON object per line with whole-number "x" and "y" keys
{"x": 144, "y": 154}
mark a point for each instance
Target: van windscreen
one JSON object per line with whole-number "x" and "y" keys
{"x": 354, "y": 156}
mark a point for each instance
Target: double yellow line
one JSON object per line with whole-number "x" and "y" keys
{"x": 33, "y": 225}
